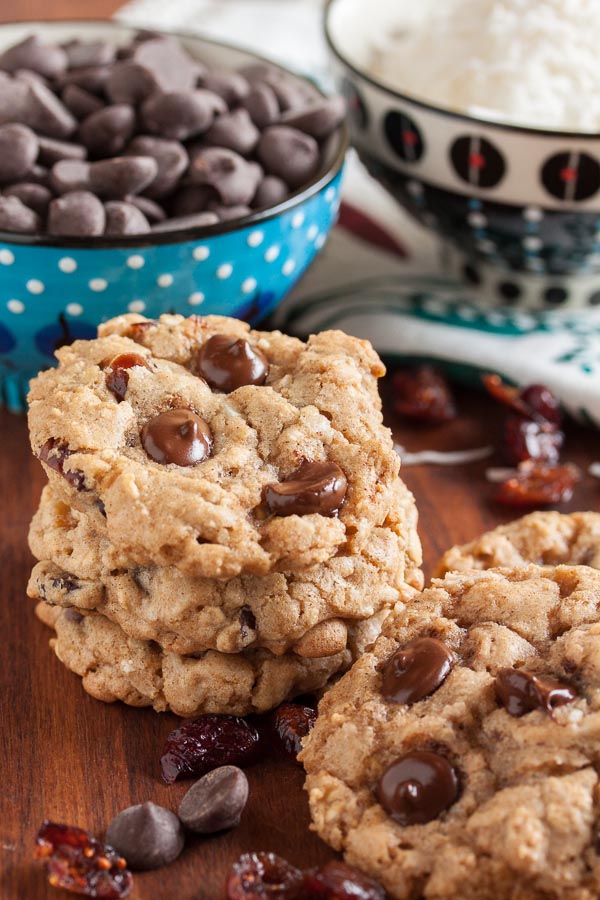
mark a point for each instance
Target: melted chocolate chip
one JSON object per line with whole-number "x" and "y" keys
{"x": 177, "y": 436}
{"x": 54, "y": 453}
{"x": 118, "y": 377}
{"x": 418, "y": 787}
{"x": 315, "y": 487}
{"x": 228, "y": 363}
{"x": 521, "y": 692}
{"x": 416, "y": 670}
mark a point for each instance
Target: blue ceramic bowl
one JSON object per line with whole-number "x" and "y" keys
{"x": 53, "y": 291}
{"x": 518, "y": 208}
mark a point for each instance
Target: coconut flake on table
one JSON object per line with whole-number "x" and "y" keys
{"x": 442, "y": 457}
{"x": 530, "y": 62}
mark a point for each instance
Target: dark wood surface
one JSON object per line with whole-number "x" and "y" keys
{"x": 70, "y": 758}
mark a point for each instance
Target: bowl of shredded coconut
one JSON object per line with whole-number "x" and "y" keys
{"x": 482, "y": 118}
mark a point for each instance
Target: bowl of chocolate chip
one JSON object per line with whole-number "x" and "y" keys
{"x": 151, "y": 173}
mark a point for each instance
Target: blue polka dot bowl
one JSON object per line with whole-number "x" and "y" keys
{"x": 53, "y": 291}
{"x": 518, "y": 208}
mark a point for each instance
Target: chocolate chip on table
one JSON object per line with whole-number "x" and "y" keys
{"x": 18, "y": 152}
{"x": 15, "y": 216}
{"x": 180, "y": 115}
{"x": 216, "y": 801}
{"x": 228, "y": 363}
{"x": 35, "y": 196}
{"x": 177, "y": 436}
{"x": 416, "y": 670}
{"x": 418, "y": 787}
{"x": 288, "y": 153}
{"x": 76, "y": 214}
{"x": 108, "y": 131}
{"x": 124, "y": 218}
{"x": 147, "y": 835}
{"x": 234, "y": 178}
{"x": 171, "y": 158}
{"x": 521, "y": 692}
{"x": 208, "y": 743}
{"x": 315, "y": 487}
{"x": 32, "y": 53}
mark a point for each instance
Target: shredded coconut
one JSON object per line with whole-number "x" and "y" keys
{"x": 530, "y": 62}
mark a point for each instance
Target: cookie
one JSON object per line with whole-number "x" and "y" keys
{"x": 458, "y": 760}
{"x": 544, "y": 538}
{"x": 115, "y": 667}
{"x": 306, "y": 611}
{"x": 201, "y": 444}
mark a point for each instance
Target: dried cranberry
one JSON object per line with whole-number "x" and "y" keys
{"x": 264, "y": 876}
{"x": 117, "y": 378}
{"x": 291, "y": 722}
{"x": 79, "y": 863}
{"x": 423, "y": 394}
{"x": 524, "y": 439}
{"x": 196, "y": 748}
{"x": 536, "y": 484}
{"x": 535, "y": 402}
{"x": 338, "y": 881}
{"x": 54, "y": 453}
{"x": 542, "y": 401}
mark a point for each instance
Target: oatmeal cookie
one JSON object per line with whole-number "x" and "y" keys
{"x": 458, "y": 760}
{"x": 201, "y": 444}
{"x": 116, "y": 667}
{"x": 544, "y": 538}
{"x": 307, "y": 611}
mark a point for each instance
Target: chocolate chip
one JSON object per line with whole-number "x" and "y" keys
{"x": 177, "y": 436}
{"x": 106, "y": 132}
{"x": 231, "y": 86}
{"x": 89, "y": 53}
{"x": 418, "y": 787}
{"x": 196, "y": 220}
{"x": 521, "y": 692}
{"x": 270, "y": 192}
{"x": 288, "y": 153}
{"x": 122, "y": 175}
{"x": 320, "y": 119}
{"x": 124, "y": 218}
{"x": 91, "y": 78}
{"x": 216, "y": 801}
{"x": 228, "y": 363}
{"x": 192, "y": 199}
{"x": 80, "y": 102}
{"x": 52, "y": 151}
{"x": 180, "y": 115}
{"x": 171, "y": 67}
{"x": 153, "y": 212}
{"x": 70, "y": 175}
{"x": 55, "y": 453}
{"x": 15, "y": 216}
{"x": 233, "y": 178}
{"x": 147, "y": 835}
{"x": 236, "y": 131}
{"x": 32, "y": 53}
{"x": 416, "y": 670}
{"x": 171, "y": 158}
{"x": 117, "y": 376}
{"x": 18, "y": 152}
{"x": 46, "y": 114}
{"x": 129, "y": 82}
{"x": 315, "y": 487}
{"x": 228, "y": 213}
{"x": 262, "y": 105}
{"x": 76, "y": 214}
{"x": 35, "y": 196}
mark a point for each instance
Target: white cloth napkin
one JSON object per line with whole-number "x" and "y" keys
{"x": 364, "y": 285}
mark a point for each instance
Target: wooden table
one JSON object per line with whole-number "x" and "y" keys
{"x": 70, "y": 758}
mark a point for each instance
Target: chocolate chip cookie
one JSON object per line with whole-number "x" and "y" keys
{"x": 458, "y": 760}
{"x": 306, "y": 611}
{"x": 201, "y": 444}
{"x": 544, "y": 538}
{"x": 116, "y": 667}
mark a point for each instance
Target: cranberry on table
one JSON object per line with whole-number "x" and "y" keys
{"x": 423, "y": 394}
{"x": 208, "y": 743}
{"x": 527, "y": 439}
{"x": 80, "y": 863}
{"x": 537, "y": 484}
{"x": 338, "y": 881}
{"x": 535, "y": 401}
{"x": 264, "y": 876}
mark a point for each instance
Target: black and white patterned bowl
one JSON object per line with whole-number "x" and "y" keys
{"x": 519, "y": 207}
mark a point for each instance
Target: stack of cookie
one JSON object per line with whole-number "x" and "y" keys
{"x": 224, "y": 524}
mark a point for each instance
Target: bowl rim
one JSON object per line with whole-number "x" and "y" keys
{"x": 184, "y": 235}
{"x": 440, "y": 110}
